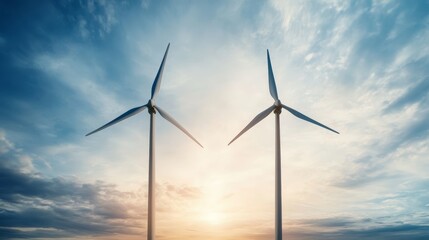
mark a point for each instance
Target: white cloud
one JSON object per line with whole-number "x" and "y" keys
{"x": 12, "y": 157}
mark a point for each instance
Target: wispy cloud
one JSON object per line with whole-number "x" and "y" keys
{"x": 92, "y": 19}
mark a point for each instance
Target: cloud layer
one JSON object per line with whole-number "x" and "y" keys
{"x": 358, "y": 67}
{"x": 36, "y": 206}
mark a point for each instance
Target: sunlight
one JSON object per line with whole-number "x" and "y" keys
{"x": 213, "y": 218}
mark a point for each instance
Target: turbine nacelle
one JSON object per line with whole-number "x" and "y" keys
{"x": 151, "y": 106}
{"x": 278, "y": 105}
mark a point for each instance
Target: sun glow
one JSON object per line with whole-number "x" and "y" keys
{"x": 213, "y": 218}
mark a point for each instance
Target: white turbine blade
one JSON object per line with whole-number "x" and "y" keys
{"x": 252, "y": 123}
{"x": 157, "y": 82}
{"x": 303, "y": 117}
{"x": 175, "y": 123}
{"x": 271, "y": 80}
{"x": 124, "y": 116}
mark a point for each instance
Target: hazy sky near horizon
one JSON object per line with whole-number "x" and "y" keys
{"x": 360, "y": 67}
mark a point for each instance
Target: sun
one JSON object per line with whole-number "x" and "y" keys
{"x": 213, "y": 218}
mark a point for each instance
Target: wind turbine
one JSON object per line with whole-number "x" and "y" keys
{"x": 277, "y": 108}
{"x": 152, "y": 109}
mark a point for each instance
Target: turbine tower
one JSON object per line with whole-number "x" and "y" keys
{"x": 277, "y": 108}
{"x": 152, "y": 109}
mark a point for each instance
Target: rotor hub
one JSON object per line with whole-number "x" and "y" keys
{"x": 151, "y": 106}
{"x": 278, "y": 108}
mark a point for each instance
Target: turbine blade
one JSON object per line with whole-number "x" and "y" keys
{"x": 252, "y": 123}
{"x": 175, "y": 123}
{"x": 157, "y": 82}
{"x": 303, "y": 117}
{"x": 271, "y": 80}
{"x": 124, "y": 116}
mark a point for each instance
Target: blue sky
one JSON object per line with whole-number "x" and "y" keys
{"x": 360, "y": 67}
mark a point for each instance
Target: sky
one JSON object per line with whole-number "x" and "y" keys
{"x": 360, "y": 67}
